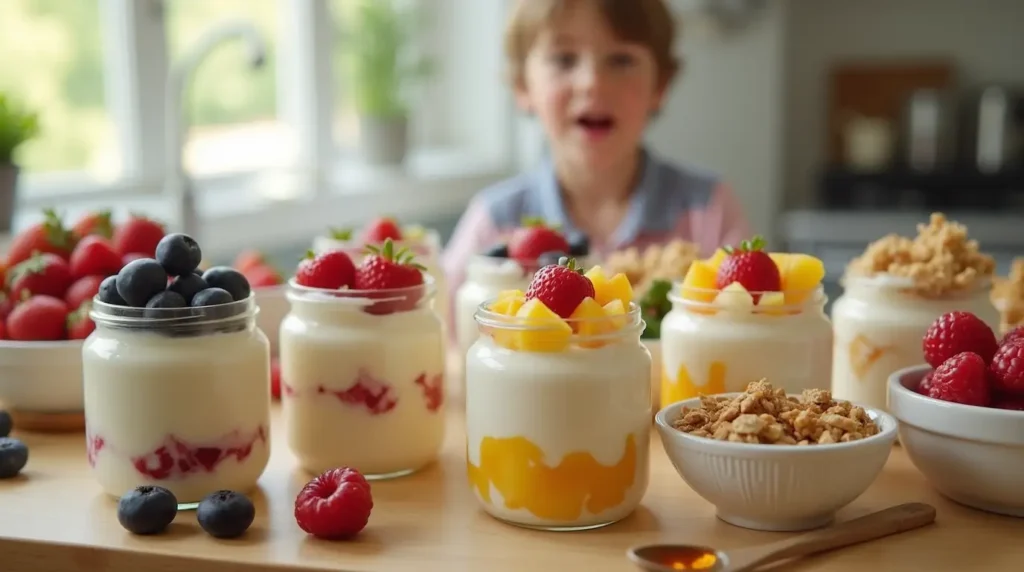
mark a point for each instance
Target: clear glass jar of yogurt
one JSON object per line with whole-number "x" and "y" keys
{"x": 718, "y": 342}
{"x": 178, "y": 398}
{"x": 558, "y": 440}
{"x": 362, "y": 379}
{"x": 486, "y": 276}
{"x": 879, "y": 324}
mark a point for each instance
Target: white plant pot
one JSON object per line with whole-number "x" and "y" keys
{"x": 384, "y": 141}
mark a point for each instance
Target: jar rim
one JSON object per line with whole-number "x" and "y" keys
{"x": 359, "y": 298}
{"x": 886, "y": 281}
{"x": 808, "y": 297}
{"x": 160, "y": 318}
{"x": 485, "y": 317}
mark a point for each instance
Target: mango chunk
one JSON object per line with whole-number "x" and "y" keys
{"x": 507, "y": 306}
{"x": 511, "y": 294}
{"x": 735, "y": 297}
{"x": 548, "y": 331}
{"x": 616, "y": 312}
{"x": 715, "y": 260}
{"x": 598, "y": 278}
{"x": 617, "y": 288}
{"x": 801, "y": 274}
{"x": 699, "y": 283}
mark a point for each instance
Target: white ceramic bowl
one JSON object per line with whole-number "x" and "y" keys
{"x": 273, "y": 308}
{"x": 41, "y": 377}
{"x": 972, "y": 455}
{"x": 776, "y": 487}
{"x": 654, "y": 346}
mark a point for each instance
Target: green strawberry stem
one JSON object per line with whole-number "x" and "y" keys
{"x": 309, "y": 255}
{"x": 404, "y": 256}
{"x": 53, "y": 228}
{"x": 753, "y": 245}
{"x": 340, "y": 233}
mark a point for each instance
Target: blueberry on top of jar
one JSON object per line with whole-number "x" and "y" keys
{"x": 140, "y": 280}
{"x": 552, "y": 257}
{"x": 108, "y": 292}
{"x": 188, "y": 285}
{"x": 179, "y": 254}
{"x": 579, "y": 246}
{"x": 229, "y": 279}
{"x": 497, "y": 251}
{"x": 212, "y": 297}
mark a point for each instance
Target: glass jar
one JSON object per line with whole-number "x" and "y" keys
{"x": 879, "y": 326}
{"x": 558, "y": 439}
{"x": 486, "y": 276}
{"x": 718, "y": 342}
{"x": 362, "y": 379}
{"x": 178, "y": 398}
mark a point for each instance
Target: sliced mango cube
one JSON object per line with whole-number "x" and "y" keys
{"x": 617, "y": 288}
{"x": 507, "y": 306}
{"x": 801, "y": 274}
{"x": 616, "y": 312}
{"x": 548, "y": 333}
{"x": 715, "y": 260}
{"x": 735, "y": 296}
{"x": 511, "y": 294}
{"x": 699, "y": 283}
{"x": 598, "y": 278}
{"x": 772, "y": 299}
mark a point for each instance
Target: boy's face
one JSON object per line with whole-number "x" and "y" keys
{"x": 592, "y": 92}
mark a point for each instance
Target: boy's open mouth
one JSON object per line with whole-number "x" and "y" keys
{"x": 596, "y": 123}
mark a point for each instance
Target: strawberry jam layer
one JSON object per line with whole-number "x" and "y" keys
{"x": 377, "y": 397}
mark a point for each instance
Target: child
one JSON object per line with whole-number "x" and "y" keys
{"x": 594, "y": 72}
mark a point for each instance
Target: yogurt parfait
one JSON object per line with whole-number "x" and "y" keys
{"x": 893, "y": 293}
{"x": 509, "y": 265}
{"x": 176, "y": 378}
{"x": 558, "y": 406}
{"x": 745, "y": 313}
{"x": 362, "y": 364}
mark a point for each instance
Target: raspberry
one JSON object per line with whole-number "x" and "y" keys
{"x": 962, "y": 378}
{"x": 1013, "y": 335}
{"x": 926, "y": 383}
{"x": 335, "y": 505}
{"x": 1007, "y": 368}
{"x": 957, "y": 332}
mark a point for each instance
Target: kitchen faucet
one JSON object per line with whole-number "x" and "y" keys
{"x": 178, "y": 185}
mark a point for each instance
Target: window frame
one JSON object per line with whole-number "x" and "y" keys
{"x": 136, "y": 66}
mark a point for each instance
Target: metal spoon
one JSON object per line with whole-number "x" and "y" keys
{"x": 675, "y": 557}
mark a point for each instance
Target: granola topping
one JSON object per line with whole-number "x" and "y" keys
{"x": 767, "y": 416}
{"x": 657, "y": 262}
{"x": 1008, "y": 297}
{"x": 940, "y": 260}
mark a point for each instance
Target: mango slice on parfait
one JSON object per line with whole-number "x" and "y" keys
{"x": 607, "y": 289}
{"x": 549, "y": 333}
{"x": 801, "y": 274}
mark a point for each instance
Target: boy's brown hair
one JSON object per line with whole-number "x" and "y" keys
{"x": 645, "y": 22}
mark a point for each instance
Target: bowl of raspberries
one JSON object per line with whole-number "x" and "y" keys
{"x": 961, "y": 413}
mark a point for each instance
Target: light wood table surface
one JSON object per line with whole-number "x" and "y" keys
{"x": 54, "y": 518}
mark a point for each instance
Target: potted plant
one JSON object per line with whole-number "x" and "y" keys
{"x": 17, "y": 125}
{"x": 381, "y": 67}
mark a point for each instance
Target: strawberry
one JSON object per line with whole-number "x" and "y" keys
{"x": 275, "y": 378}
{"x": 94, "y": 256}
{"x": 3, "y": 330}
{"x": 560, "y": 288}
{"x": 46, "y": 236}
{"x": 264, "y": 276}
{"x": 40, "y": 318}
{"x": 385, "y": 270}
{"x": 80, "y": 325}
{"x": 7, "y": 303}
{"x": 46, "y": 274}
{"x": 331, "y": 270}
{"x": 97, "y": 223}
{"x": 533, "y": 239}
{"x": 751, "y": 266}
{"x": 138, "y": 234}
{"x": 382, "y": 229}
{"x": 957, "y": 332}
{"x": 82, "y": 290}
{"x": 248, "y": 259}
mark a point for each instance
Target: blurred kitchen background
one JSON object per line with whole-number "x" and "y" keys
{"x": 836, "y": 121}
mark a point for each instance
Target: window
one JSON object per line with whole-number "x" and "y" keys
{"x": 97, "y": 71}
{"x": 53, "y": 62}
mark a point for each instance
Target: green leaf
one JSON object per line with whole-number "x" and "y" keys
{"x": 17, "y": 125}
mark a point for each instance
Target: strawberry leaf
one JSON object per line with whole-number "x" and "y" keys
{"x": 53, "y": 229}
{"x": 309, "y": 255}
{"x": 532, "y": 222}
{"x": 338, "y": 233}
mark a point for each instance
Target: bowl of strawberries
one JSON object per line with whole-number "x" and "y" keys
{"x": 50, "y": 274}
{"x": 961, "y": 413}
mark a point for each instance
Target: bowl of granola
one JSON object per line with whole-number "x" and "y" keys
{"x": 971, "y": 454}
{"x": 776, "y": 462}
{"x": 651, "y": 272}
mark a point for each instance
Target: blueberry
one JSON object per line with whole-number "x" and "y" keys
{"x": 497, "y": 251}
{"x": 552, "y": 257}
{"x": 579, "y": 246}
{"x": 13, "y": 457}
{"x": 229, "y": 279}
{"x": 147, "y": 509}
{"x": 212, "y": 297}
{"x": 140, "y": 280}
{"x": 108, "y": 292}
{"x": 198, "y": 272}
{"x": 188, "y": 285}
{"x": 225, "y": 514}
{"x": 165, "y": 299}
{"x": 179, "y": 254}
{"x": 6, "y": 423}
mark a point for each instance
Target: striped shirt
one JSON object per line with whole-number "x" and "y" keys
{"x": 670, "y": 202}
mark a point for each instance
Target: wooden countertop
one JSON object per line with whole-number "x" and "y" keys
{"x": 54, "y": 518}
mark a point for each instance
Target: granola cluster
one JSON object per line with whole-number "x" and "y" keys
{"x": 668, "y": 261}
{"x": 1008, "y": 296}
{"x": 940, "y": 259}
{"x": 765, "y": 415}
